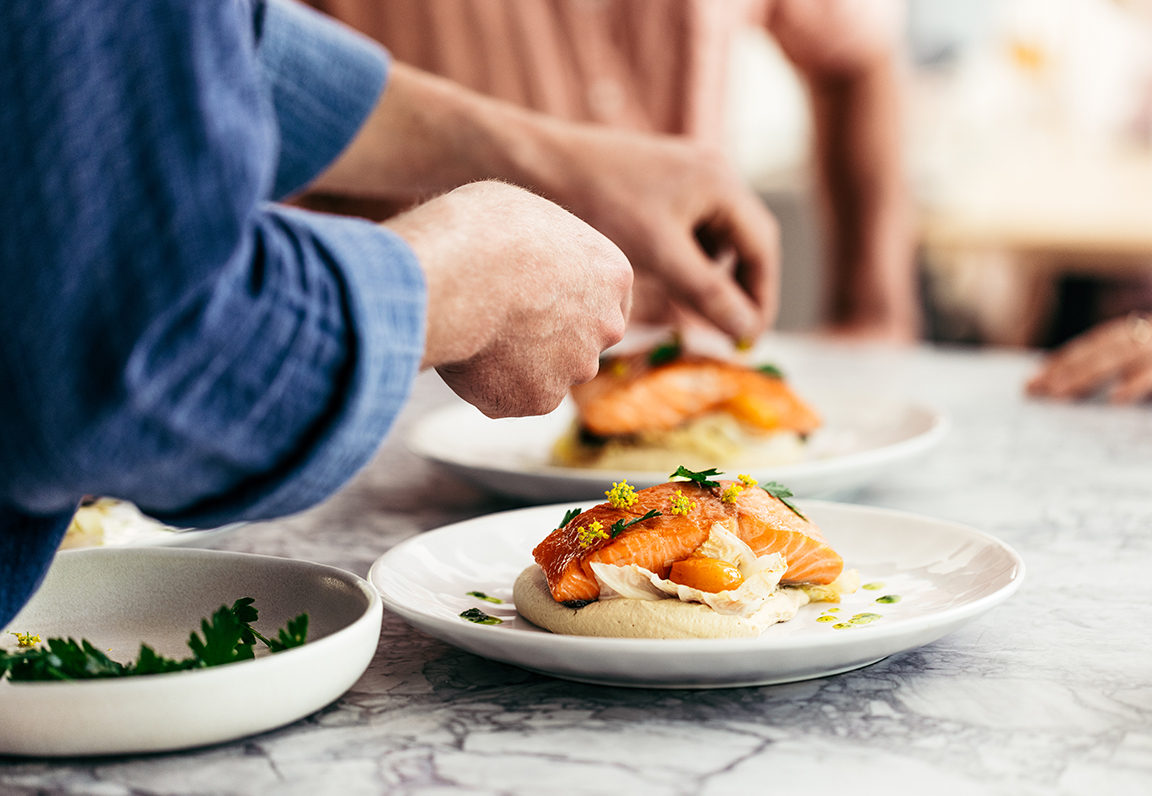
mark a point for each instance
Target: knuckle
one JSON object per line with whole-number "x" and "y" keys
{"x": 545, "y": 401}
{"x": 616, "y": 330}
{"x": 585, "y": 370}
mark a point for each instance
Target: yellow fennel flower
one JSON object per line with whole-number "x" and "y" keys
{"x": 747, "y": 480}
{"x": 25, "y": 640}
{"x": 682, "y": 504}
{"x": 591, "y": 533}
{"x": 730, "y": 494}
{"x": 621, "y": 495}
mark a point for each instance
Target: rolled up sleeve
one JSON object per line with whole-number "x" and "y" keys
{"x": 323, "y": 79}
{"x": 168, "y": 335}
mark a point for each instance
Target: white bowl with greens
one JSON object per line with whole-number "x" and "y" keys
{"x": 118, "y": 599}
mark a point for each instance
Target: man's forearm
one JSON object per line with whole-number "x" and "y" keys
{"x": 649, "y": 194}
{"x": 428, "y": 135}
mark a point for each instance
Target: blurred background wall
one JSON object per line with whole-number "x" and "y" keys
{"x": 1029, "y": 131}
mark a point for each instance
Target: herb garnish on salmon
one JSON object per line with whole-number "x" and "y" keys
{"x": 668, "y": 522}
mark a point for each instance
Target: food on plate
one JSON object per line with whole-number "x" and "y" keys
{"x": 103, "y": 521}
{"x": 690, "y": 558}
{"x": 228, "y": 637}
{"x": 657, "y": 409}
{"x": 478, "y": 617}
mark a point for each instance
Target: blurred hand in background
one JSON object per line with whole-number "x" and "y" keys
{"x": 1115, "y": 356}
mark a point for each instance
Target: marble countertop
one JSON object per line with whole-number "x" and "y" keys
{"x": 1050, "y": 693}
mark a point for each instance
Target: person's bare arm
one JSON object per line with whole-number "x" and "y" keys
{"x": 656, "y": 197}
{"x": 849, "y": 54}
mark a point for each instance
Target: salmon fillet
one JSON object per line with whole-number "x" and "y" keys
{"x": 629, "y": 396}
{"x": 764, "y": 522}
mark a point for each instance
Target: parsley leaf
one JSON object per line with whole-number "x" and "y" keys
{"x": 782, "y": 493}
{"x": 569, "y": 515}
{"x": 228, "y": 636}
{"x": 60, "y": 659}
{"x": 148, "y": 662}
{"x": 224, "y": 640}
{"x": 770, "y": 370}
{"x": 620, "y": 526}
{"x": 666, "y": 352}
{"x": 701, "y": 477}
{"x": 291, "y": 636}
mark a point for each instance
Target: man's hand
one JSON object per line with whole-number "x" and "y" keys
{"x": 678, "y": 212}
{"x": 1118, "y": 352}
{"x": 522, "y": 296}
{"x": 698, "y": 239}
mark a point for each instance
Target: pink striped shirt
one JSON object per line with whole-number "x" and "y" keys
{"x": 652, "y": 65}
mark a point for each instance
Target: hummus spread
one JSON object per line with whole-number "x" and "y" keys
{"x": 630, "y": 618}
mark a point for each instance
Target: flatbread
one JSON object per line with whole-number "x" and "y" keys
{"x": 628, "y": 618}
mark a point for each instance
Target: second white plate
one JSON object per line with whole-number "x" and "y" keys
{"x": 862, "y": 439}
{"x": 944, "y": 574}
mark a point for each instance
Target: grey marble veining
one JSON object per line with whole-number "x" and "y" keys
{"x": 1051, "y": 693}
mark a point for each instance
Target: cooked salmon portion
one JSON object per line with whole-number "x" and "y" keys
{"x": 761, "y": 520}
{"x": 768, "y": 526}
{"x": 630, "y": 396}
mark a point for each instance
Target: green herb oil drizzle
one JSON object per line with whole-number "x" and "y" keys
{"x": 480, "y": 618}
{"x": 479, "y": 595}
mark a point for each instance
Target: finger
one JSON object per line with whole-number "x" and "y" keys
{"x": 753, "y": 233}
{"x": 1086, "y": 363}
{"x": 611, "y": 333}
{"x": 1065, "y": 361}
{"x": 1135, "y": 383}
{"x": 625, "y": 314}
{"x": 703, "y": 286}
{"x": 610, "y": 276}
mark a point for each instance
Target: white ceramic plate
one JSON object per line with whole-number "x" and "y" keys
{"x": 121, "y": 524}
{"x": 863, "y": 438}
{"x": 118, "y": 598}
{"x": 945, "y": 574}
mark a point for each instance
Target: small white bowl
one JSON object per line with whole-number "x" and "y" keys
{"x": 119, "y": 598}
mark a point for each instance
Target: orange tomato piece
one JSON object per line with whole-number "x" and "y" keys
{"x": 706, "y": 574}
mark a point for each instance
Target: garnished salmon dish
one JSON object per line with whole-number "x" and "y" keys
{"x": 697, "y": 556}
{"x": 657, "y": 409}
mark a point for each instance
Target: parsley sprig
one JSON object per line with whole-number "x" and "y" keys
{"x": 569, "y": 515}
{"x": 699, "y": 477}
{"x": 782, "y": 493}
{"x": 773, "y": 488}
{"x": 620, "y": 526}
{"x": 666, "y": 352}
{"x": 228, "y": 636}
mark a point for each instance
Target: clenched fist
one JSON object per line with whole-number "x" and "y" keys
{"x": 522, "y": 295}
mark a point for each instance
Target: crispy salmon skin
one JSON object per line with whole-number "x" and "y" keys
{"x": 687, "y": 512}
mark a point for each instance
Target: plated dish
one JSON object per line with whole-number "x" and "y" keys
{"x": 665, "y": 407}
{"x": 107, "y": 522}
{"x": 862, "y": 439}
{"x": 118, "y": 598}
{"x": 944, "y": 574}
